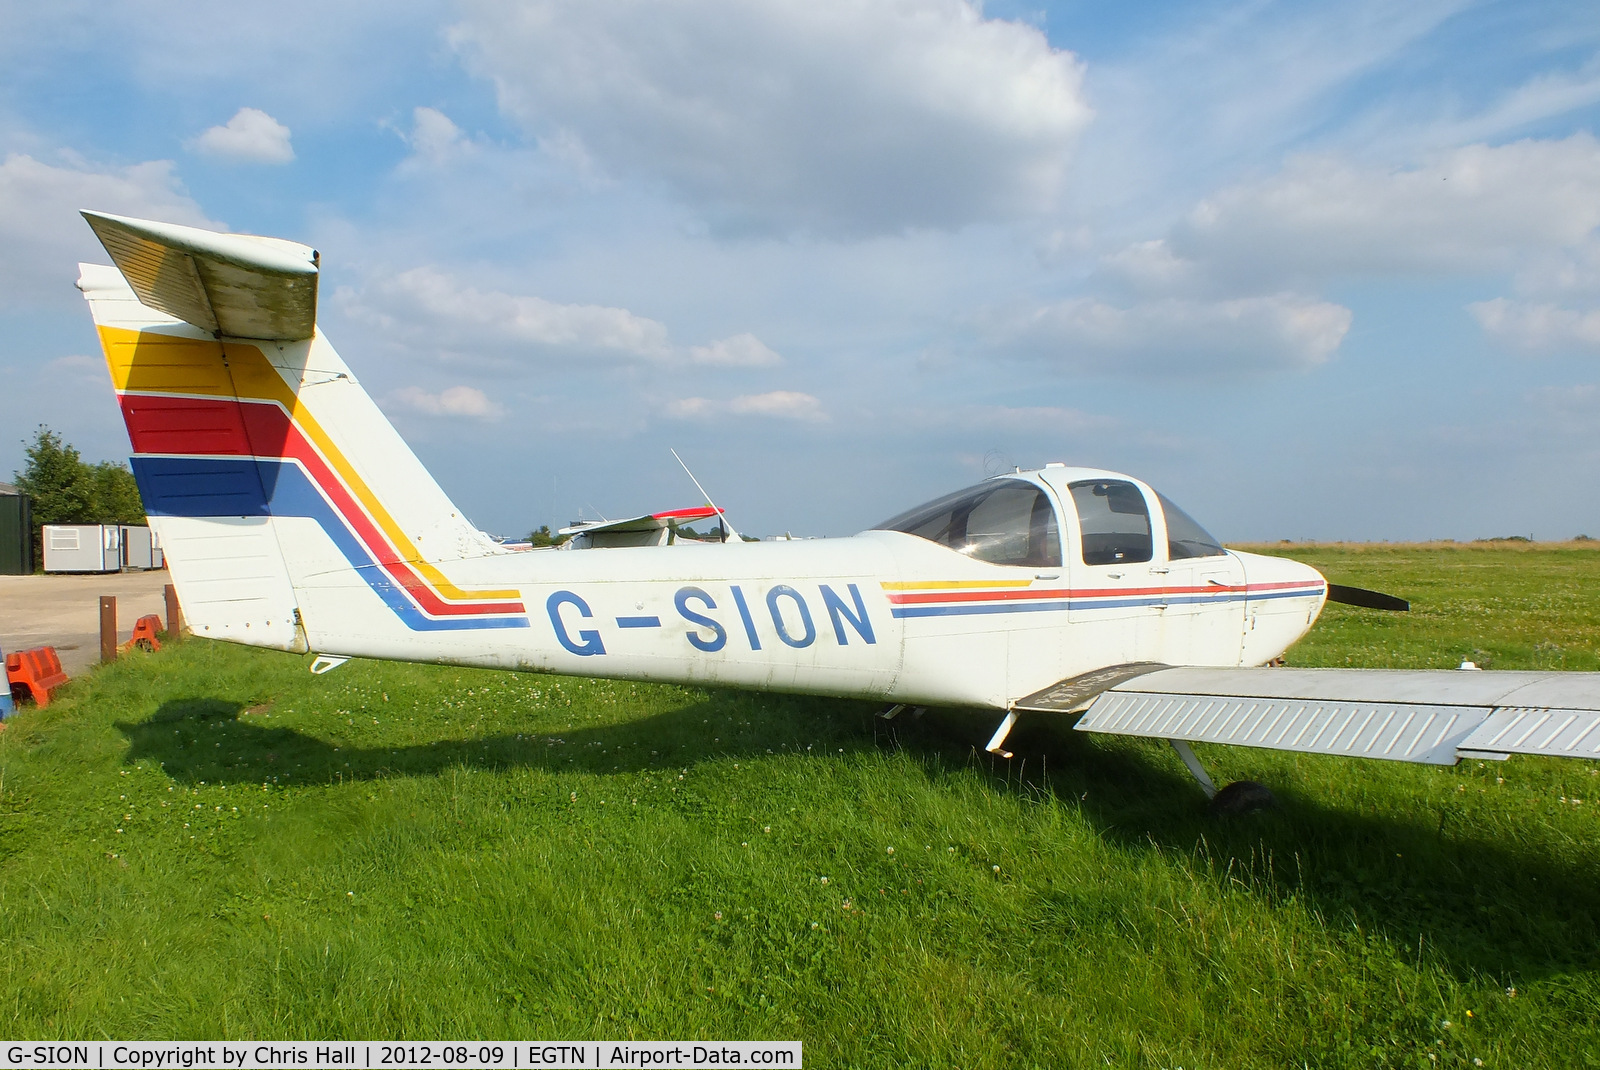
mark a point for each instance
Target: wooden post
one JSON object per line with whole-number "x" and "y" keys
{"x": 108, "y": 627}
{"x": 174, "y": 614}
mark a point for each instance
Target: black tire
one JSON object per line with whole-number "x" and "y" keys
{"x": 1242, "y": 797}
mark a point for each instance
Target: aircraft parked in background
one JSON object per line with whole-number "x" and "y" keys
{"x": 294, "y": 517}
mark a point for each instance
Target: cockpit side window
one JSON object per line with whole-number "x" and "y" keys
{"x": 1185, "y": 538}
{"x": 1115, "y": 522}
{"x": 1004, "y": 522}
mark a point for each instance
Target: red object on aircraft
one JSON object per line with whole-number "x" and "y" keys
{"x": 698, "y": 512}
{"x": 38, "y": 670}
{"x": 144, "y": 633}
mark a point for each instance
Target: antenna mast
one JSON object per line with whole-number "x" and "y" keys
{"x": 722, "y": 520}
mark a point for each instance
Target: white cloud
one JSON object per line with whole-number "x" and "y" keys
{"x": 785, "y": 404}
{"x": 430, "y": 299}
{"x": 1538, "y": 328}
{"x": 1202, "y": 94}
{"x": 1563, "y": 275}
{"x": 693, "y": 408}
{"x": 845, "y": 116}
{"x": 1152, "y": 267}
{"x": 1472, "y": 209}
{"x": 434, "y": 138}
{"x": 1546, "y": 94}
{"x": 739, "y": 351}
{"x": 467, "y": 401}
{"x": 251, "y": 136}
{"x": 42, "y": 236}
{"x": 1175, "y": 336}
{"x": 1048, "y": 418}
{"x": 1530, "y": 208}
{"x": 425, "y": 303}
{"x": 779, "y": 404}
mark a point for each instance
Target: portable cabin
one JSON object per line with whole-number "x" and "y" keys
{"x": 138, "y": 548}
{"x": 82, "y": 547}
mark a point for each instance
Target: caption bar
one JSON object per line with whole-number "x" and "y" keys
{"x": 342, "y": 1055}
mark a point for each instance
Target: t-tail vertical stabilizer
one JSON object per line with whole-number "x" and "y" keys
{"x": 292, "y": 513}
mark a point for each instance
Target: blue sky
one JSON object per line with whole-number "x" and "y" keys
{"x": 1314, "y": 270}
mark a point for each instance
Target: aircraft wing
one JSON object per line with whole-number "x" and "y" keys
{"x": 651, "y": 529}
{"x": 233, "y": 284}
{"x": 645, "y": 523}
{"x": 1435, "y": 717}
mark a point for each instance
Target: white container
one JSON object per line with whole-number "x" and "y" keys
{"x": 138, "y": 549}
{"x": 82, "y": 548}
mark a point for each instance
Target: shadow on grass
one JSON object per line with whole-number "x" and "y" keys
{"x": 1456, "y": 896}
{"x": 218, "y": 741}
{"x": 1421, "y": 879}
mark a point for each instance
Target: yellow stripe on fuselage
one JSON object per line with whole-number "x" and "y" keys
{"x": 145, "y": 362}
{"x": 951, "y": 585}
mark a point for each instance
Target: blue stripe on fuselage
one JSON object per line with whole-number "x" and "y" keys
{"x": 963, "y": 609}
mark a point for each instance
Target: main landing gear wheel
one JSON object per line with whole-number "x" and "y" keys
{"x": 1242, "y": 797}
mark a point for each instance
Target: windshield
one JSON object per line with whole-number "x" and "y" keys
{"x": 1185, "y": 538}
{"x": 1002, "y": 521}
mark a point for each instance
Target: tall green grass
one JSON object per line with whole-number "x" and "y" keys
{"x": 211, "y": 842}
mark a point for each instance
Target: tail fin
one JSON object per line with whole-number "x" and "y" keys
{"x": 291, "y": 512}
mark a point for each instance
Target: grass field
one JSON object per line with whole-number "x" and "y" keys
{"x": 210, "y": 842}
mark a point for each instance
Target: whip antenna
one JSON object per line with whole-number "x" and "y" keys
{"x": 722, "y": 520}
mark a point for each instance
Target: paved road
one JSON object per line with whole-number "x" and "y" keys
{"x": 64, "y": 611}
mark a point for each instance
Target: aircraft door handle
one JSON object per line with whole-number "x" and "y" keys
{"x": 1160, "y": 571}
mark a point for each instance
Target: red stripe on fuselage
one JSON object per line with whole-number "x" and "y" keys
{"x": 168, "y": 425}
{"x": 1099, "y": 592}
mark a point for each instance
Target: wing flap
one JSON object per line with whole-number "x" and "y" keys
{"x": 238, "y": 285}
{"x": 1435, "y": 717}
{"x": 1397, "y": 731}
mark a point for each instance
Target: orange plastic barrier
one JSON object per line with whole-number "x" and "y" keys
{"x": 144, "y": 633}
{"x": 38, "y": 670}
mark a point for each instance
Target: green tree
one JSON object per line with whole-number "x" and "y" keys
{"x": 54, "y": 480}
{"x": 542, "y": 536}
{"x": 114, "y": 496}
{"x": 65, "y": 490}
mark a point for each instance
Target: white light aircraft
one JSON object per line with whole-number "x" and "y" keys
{"x": 294, "y": 517}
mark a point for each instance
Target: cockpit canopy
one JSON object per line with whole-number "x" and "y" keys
{"x": 1002, "y": 521}
{"x": 1013, "y": 522}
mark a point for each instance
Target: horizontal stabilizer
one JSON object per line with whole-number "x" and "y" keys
{"x": 237, "y": 285}
{"x": 1434, "y": 717}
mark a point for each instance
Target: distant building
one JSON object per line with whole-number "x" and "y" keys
{"x": 16, "y": 532}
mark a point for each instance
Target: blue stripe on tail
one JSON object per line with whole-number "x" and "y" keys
{"x": 228, "y": 487}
